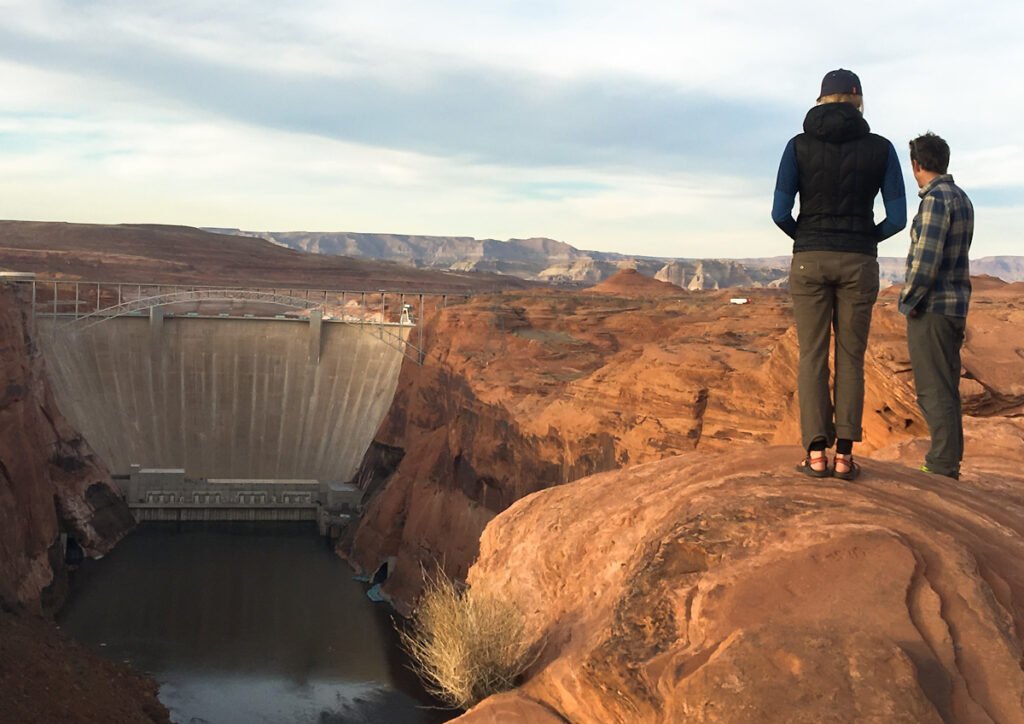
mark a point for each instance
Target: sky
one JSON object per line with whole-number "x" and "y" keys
{"x": 650, "y": 128}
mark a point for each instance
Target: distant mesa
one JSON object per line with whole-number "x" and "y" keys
{"x": 555, "y": 262}
{"x": 183, "y": 255}
{"x": 180, "y": 254}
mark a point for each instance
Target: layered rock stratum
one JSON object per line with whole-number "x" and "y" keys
{"x": 681, "y": 400}
{"x": 548, "y": 260}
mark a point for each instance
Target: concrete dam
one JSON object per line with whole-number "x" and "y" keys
{"x": 223, "y": 396}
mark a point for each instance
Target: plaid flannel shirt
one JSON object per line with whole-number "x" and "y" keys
{"x": 938, "y": 272}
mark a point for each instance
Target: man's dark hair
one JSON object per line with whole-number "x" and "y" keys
{"x": 930, "y": 152}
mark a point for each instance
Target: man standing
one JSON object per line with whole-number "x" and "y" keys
{"x": 935, "y": 299}
{"x": 838, "y": 167}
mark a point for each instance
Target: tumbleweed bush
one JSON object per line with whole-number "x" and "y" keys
{"x": 466, "y": 644}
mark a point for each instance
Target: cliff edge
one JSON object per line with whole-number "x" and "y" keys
{"x": 50, "y": 480}
{"x": 52, "y": 489}
{"x": 717, "y": 587}
{"x": 527, "y": 390}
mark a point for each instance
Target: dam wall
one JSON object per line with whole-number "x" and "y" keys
{"x": 232, "y": 397}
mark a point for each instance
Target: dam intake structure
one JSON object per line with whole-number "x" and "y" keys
{"x": 168, "y": 495}
{"x": 255, "y": 386}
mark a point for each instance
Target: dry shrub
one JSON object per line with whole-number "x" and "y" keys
{"x": 466, "y": 644}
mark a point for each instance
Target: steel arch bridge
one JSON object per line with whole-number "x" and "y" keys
{"x": 193, "y": 295}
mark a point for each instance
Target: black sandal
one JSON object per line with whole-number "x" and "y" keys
{"x": 851, "y": 473}
{"x": 804, "y": 466}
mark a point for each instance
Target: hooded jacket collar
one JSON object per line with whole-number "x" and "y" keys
{"x": 835, "y": 123}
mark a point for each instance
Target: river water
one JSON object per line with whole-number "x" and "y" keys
{"x": 246, "y": 624}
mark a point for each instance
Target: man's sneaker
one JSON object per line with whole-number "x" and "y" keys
{"x": 926, "y": 469}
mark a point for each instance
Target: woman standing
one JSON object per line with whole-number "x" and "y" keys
{"x": 837, "y": 166}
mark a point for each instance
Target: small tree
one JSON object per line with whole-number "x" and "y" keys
{"x": 466, "y": 644}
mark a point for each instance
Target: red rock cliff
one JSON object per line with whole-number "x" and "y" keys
{"x": 50, "y": 481}
{"x": 523, "y": 391}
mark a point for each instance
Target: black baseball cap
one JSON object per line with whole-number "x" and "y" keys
{"x": 840, "y": 81}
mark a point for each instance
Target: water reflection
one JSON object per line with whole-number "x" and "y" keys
{"x": 244, "y": 624}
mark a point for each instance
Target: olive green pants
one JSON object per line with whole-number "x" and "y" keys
{"x": 934, "y": 341}
{"x": 832, "y": 290}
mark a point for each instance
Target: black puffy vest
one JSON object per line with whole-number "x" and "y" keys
{"x": 841, "y": 165}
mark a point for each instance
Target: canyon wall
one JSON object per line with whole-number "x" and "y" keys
{"x": 524, "y": 391}
{"x": 50, "y": 480}
{"x": 700, "y": 577}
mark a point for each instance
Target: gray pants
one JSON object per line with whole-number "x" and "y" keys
{"x": 832, "y": 290}
{"x": 935, "y": 341}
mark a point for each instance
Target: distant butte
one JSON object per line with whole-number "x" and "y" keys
{"x": 630, "y": 282}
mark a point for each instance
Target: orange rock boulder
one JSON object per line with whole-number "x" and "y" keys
{"x": 729, "y": 588}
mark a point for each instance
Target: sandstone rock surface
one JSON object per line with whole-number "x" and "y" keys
{"x": 527, "y": 390}
{"x": 718, "y": 587}
{"x": 519, "y": 392}
{"x": 51, "y": 484}
{"x": 50, "y": 481}
{"x": 47, "y": 678}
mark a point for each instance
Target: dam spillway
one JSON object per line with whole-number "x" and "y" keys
{"x": 231, "y": 397}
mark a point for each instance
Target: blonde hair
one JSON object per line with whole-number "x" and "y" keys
{"x": 857, "y": 101}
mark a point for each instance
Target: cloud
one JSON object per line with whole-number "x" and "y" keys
{"x": 479, "y": 115}
{"x": 653, "y": 124}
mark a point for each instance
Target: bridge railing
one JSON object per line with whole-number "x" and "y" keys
{"x": 396, "y": 317}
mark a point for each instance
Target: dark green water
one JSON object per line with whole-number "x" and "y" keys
{"x": 246, "y": 624}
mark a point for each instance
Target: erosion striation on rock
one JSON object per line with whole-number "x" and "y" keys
{"x": 719, "y": 587}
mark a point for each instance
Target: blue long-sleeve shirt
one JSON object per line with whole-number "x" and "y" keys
{"x": 787, "y": 185}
